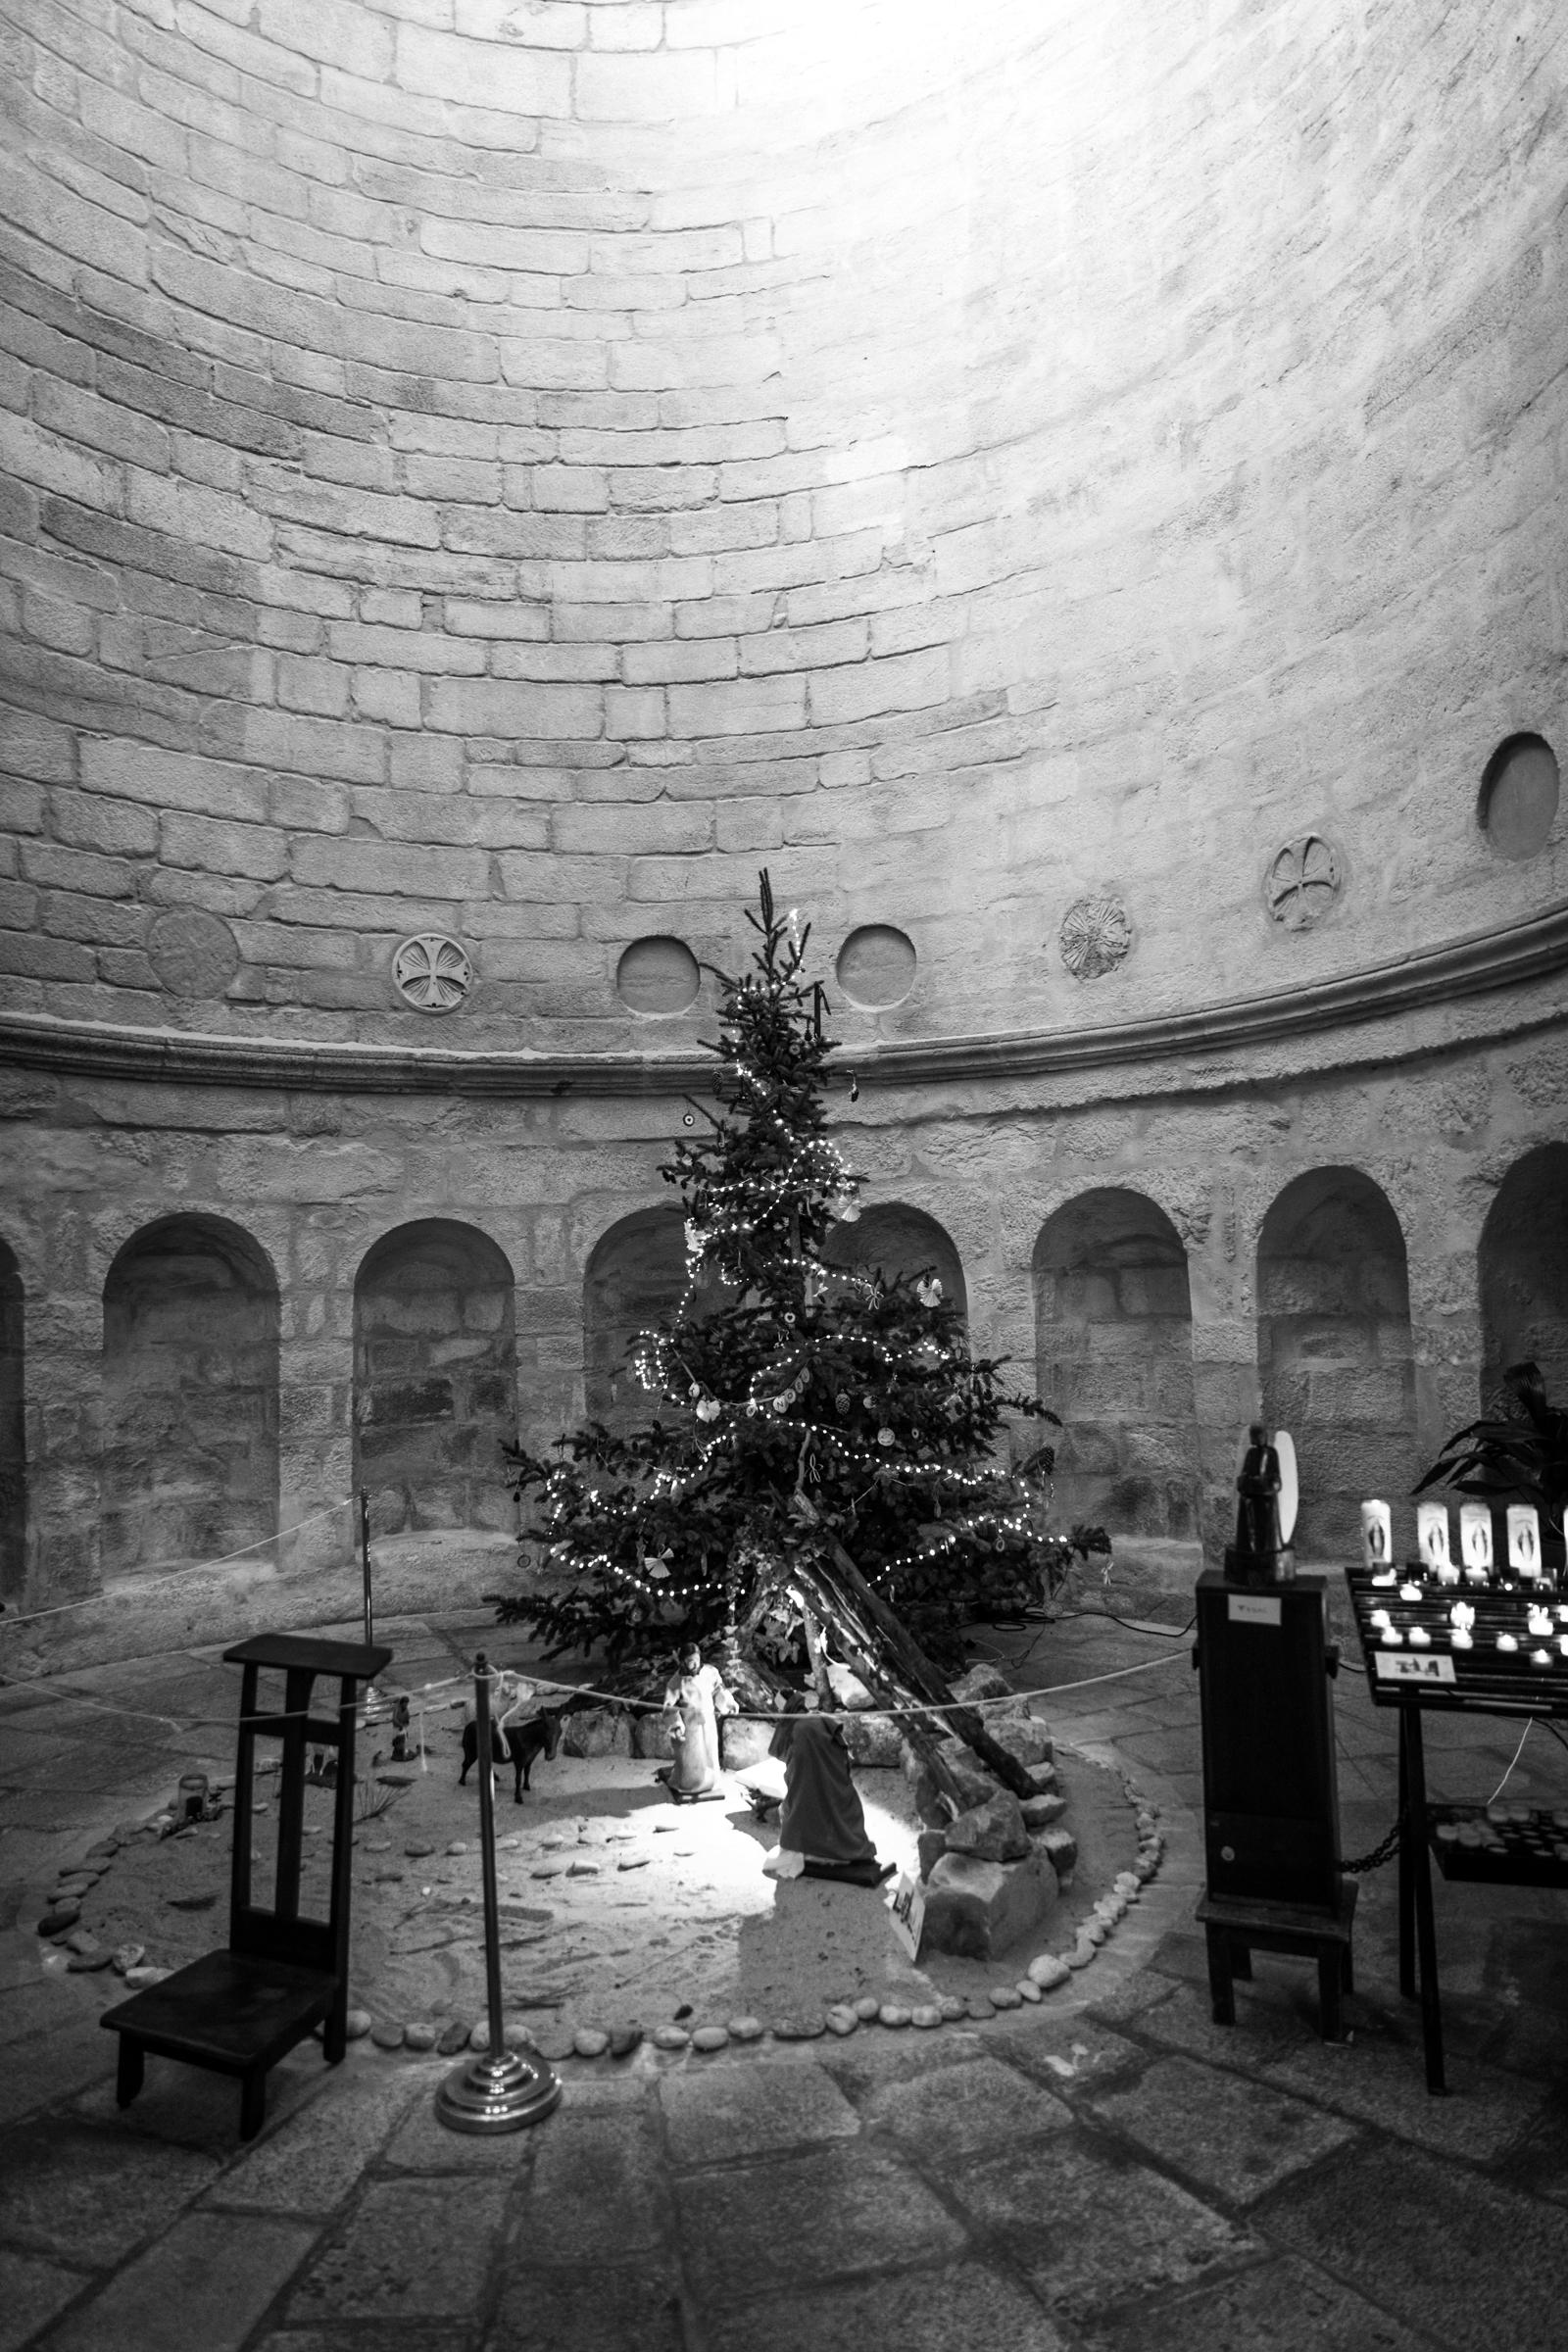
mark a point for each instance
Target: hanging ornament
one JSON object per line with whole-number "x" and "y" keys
{"x": 855, "y": 1088}
{"x": 695, "y": 1391}
{"x": 870, "y": 1404}
{"x": 695, "y": 1239}
{"x": 841, "y": 1403}
{"x": 657, "y": 1565}
{"x": 884, "y": 1437}
{"x": 709, "y": 1409}
{"x": 928, "y": 1292}
{"x": 790, "y": 1320}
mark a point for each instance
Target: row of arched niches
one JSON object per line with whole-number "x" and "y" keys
{"x": 191, "y": 1313}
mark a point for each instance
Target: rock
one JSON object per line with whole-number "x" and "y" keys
{"x": 1027, "y": 1990}
{"x": 623, "y": 2040}
{"x": 60, "y": 1920}
{"x": 952, "y": 2008}
{"x": 649, "y": 1733}
{"x": 388, "y": 2035}
{"x": 932, "y": 1845}
{"x": 582, "y": 1870}
{"x": 1083, "y": 1951}
{"x": 1039, "y": 1812}
{"x": 83, "y": 1963}
{"x": 866, "y": 2007}
{"x": 993, "y": 1831}
{"x": 710, "y": 2039}
{"x": 982, "y": 1908}
{"x": 72, "y": 1889}
{"x": 670, "y": 2037}
{"x": 746, "y": 2028}
{"x": 1004, "y": 1996}
{"x": 137, "y": 1979}
{"x": 454, "y": 2037}
{"x": 420, "y": 2034}
{"x": 82, "y": 1940}
{"x": 926, "y": 2015}
{"x": 975, "y": 1784}
{"x": 632, "y": 1862}
{"x": 590, "y": 2041}
{"x": 597, "y": 1732}
{"x": 743, "y": 1740}
{"x": 1096, "y": 1930}
{"x": 546, "y": 1870}
{"x": 356, "y": 2022}
{"x": 874, "y": 1742}
{"x": 1146, "y": 1822}
{"x": 798, "y": 2028}
{"x": 480, "y": 2036}
{"x": 891, "y": 2013}
{"x": 978, "y": 2006}
{"x": 459, "y": 1845}
{"x": 981, "y": 1682}
{"x": 128, "y": 1956}
{"x": 1061, "y": 1849}
{"x": 841, "y": 2021}
{"x": 1025, "y": 1738}
{"x": 1048, "y": 1971}
{"x": 416, "y": 1852}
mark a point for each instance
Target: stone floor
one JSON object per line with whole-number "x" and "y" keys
{"x": 1109, "y": 2172}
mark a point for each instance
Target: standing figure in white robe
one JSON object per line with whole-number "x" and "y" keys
{"x": 696, "y": 1697}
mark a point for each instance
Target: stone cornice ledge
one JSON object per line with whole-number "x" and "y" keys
{"x": 1439, "y": 976}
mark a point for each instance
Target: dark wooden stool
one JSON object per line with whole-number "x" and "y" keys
{"x": 238, "y": 2012}
{"x": 1235, "y": 1928}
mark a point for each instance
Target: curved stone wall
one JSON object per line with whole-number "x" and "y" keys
{"x": 1082, "y": 493}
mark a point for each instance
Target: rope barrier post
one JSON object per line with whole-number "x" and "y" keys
{"x": 364, "y": 1563}
{"x": 502, "y": 2090}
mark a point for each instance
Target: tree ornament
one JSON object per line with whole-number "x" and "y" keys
{"x": 709, "y": 1409}
{"x": 695, "y": 1391}
{"x": 928, "y": 1292}
{"x": 884, "y": 1437}
{"x": 841, "y": 1403}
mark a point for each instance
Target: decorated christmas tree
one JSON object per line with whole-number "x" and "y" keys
{"x": 824, "y": 1461}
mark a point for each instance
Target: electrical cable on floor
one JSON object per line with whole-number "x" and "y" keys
{"x": 1517, "y": 1753}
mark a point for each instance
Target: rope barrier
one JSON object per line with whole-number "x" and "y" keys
{"x": 147, "y": 1584}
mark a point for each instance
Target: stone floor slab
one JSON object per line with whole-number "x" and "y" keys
{"x": 310, "y": 2161}
{"x": 597, "y": 2311}
{"x": 598, "y": 2192}
{"x": 1234, "y": 2139}
{"x": 959, "y": 2308}
{"x": 31, "y": 2292}
{"x": 737, "y": 2110}
{"x": 415, "y": 2249}
{"x": 87, "y": 2197}
{"x": 963, "y": 2109}
{"x": 201, "y": 2288}
{"x": 1090, "y": 2227}
{"x": 36, "y": 2073}
{"x": 802, "y": 2219}
{"x": 1284, "y": 2306}
{"x": 1439, "y": 2246}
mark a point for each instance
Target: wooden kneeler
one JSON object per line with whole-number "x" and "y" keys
{"x": 239, "y": 2011}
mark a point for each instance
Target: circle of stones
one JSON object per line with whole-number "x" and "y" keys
{"x": 1302, "y": 881}
{"x": 431, "y": 972}
{"x": 1096, "y": 936}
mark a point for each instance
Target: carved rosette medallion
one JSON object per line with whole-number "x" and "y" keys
{"x": 1302, "y": 882}
{"x": 1096, "y": 936}
{"x": 431, "y": 972}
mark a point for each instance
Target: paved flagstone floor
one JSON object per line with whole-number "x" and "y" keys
{"x": 1109, "y": 2172}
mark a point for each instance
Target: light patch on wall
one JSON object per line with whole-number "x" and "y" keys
{"x": 1519, "y": 792}
{"x": 657, "y": 975}
{"x": 875, "y": 966}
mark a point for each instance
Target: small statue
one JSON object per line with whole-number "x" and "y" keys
{"x": 697, "y": 1696}
{"x": 1254, "y": 1556}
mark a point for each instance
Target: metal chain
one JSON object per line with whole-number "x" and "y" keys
{"x": 1384, "y": 1852}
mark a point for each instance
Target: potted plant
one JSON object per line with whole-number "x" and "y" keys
{"x": 1517, "y": 1452}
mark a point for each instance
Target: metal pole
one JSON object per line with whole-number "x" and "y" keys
{"x": 504, "y": 2090}
{"x": 365, "y": 1564}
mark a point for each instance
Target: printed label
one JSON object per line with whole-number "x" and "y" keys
{"x": 1253, "y": 1608}
{"x": 1405, "y": 1666}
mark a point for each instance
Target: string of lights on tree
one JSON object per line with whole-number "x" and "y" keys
{"x": 781, "y": 1372}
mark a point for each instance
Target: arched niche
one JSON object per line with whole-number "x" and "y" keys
{"x": 1113, "y": 1326}
{"x": 1334, "y": 1350}
{"x": 190, "y": 1396}
{"x": 435, "y": 1378}
{"x": 1523, "y": 1269}
{"x": 636, "y": 1278}
{"x": 892, "y": 1239}
{"x": 13, "y": 1430}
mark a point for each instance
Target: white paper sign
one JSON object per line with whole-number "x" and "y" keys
{"x": 1376, "y": 1534}
{"x": 906, "y": 1901}
{"x": 1251, "y": 1608}
{"x": 1475, "y": 1537}
{"x": 1405, "y": 1666}
{"x": 1432, "y": 1536}
{"x": 1524, "y": 1538}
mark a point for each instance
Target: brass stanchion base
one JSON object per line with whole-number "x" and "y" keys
{"x": 498, "y": 2095}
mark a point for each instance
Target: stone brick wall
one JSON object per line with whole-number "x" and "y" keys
{"x": 500, "y": 472}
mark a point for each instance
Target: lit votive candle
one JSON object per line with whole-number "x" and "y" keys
{"x": 1506, "y": 1641}
{"x": 1391, "y": 1637}
{"x": 1420, "y": 1638}
{"x": 1409, "y": 1591}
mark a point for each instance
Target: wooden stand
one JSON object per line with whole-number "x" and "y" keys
{"x": 238, "y": 2011}
{"x": 1236, "y": 1930}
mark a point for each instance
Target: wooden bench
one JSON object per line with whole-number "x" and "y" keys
{"x": 1236, "y": 1928}
{"x": 238, "y": 2012}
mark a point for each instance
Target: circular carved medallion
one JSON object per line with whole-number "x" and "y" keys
{"x": 1302, "y": 882}
{"x": 431, "y": 972}
{"x": 1096, "y": 936}
{"x": 193, "y": 952}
